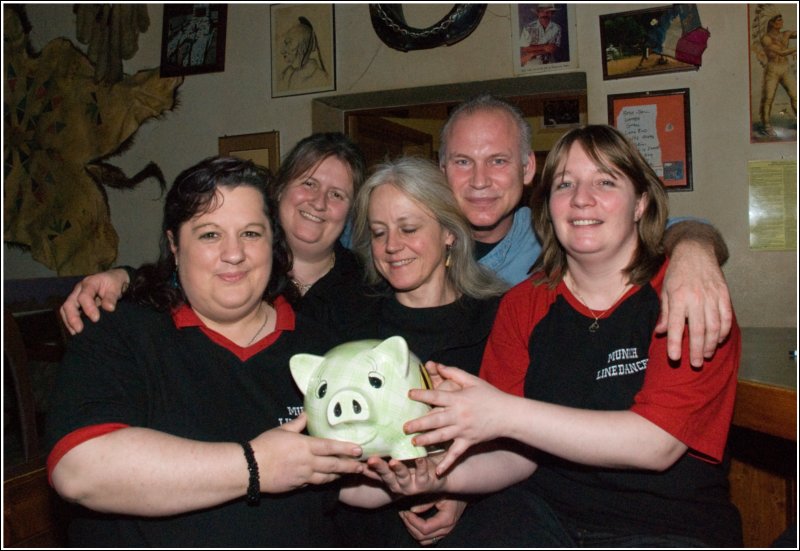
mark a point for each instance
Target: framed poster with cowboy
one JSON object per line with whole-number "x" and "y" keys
{"x": 544, "y": 37}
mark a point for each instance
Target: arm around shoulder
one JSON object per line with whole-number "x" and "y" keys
{"x": 699, "y": 233}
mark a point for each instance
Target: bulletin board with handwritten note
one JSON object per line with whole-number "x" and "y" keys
{"x": 658, "y": 124}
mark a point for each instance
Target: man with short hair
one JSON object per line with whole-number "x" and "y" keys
{"x": 485, "y": 152}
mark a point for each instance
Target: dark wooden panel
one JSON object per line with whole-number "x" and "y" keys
{"x": 766, "y": 408}
{"x": 763, "y": 479}
{"x": 33, "y": 514}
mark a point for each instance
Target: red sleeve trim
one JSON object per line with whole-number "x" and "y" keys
{"x": 74, "y": 439}
{"x": 505, "y": 358}
{"x": 695, "y": 406}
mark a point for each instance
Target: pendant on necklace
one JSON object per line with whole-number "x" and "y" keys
{"x": 594, "y": 326}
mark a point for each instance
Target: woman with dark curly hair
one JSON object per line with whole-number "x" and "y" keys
{"x": 172, "y": 425}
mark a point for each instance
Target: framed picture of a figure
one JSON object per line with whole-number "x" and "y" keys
{"x": 303, "y": 49}
{"x": 193, "y": 39}
{"x": 773, "y": 72}
{"x": 544, "y": 37}
{"x": 664, "y": 39}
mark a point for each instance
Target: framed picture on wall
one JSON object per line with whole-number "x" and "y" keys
{"x": 193, "y": 39}
{"x": 652, "y": 41}
{"x": 303, "y": 49}
{"x": 658, "y": 124}
{"x": 773, "y": 72}
{"x": 262, "y": 148}
{"x": 544, "y": 37}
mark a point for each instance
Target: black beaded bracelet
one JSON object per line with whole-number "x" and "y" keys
{"x": 254, "y": 484}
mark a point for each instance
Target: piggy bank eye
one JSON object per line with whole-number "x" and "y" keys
{"x": 322, "y": 389}
{"x": 375, "y": 379}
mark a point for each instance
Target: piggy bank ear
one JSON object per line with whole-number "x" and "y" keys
{"x": 394, "y": 351}
{"x": 302, "y": 367}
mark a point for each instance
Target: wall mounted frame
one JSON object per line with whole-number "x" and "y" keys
{"x": 303, "y": 46}
{"x": 658, "y": 123}
{"x": 193, "y": 39}
{"x": 262, "y": 148}
{"x": 532, "y": 37}
{"x": 773, "y": 72}
{"x": 631, "y": 43}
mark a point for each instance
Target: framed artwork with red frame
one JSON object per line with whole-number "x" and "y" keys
{"x": 658, "y": 123}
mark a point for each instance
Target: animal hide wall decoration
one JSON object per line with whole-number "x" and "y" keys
{"x": 112, "y": 33}
{"x": 60, "y": 126}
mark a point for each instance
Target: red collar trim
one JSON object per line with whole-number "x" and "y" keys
{"x": 183, "y": 316}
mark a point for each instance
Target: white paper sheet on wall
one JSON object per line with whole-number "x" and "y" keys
{"x": 638, "y": 123}
{"x": 773, "y": 205}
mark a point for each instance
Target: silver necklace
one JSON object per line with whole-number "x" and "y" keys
{"x": 303, "y": 288}
{"x": 266, "y": 319}
{"x": 595, "y": 325}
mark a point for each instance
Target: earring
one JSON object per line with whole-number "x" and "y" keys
{"x": 447, "y": 256}
{"x": 173, "y": 281}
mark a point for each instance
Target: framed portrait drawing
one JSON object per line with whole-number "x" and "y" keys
{"x": 773, "y": 72}
{"x": 658, "y": 124}
{"x": 262, "y": 148}
{"x": 193, "y": 39}
{"x": 302, "y": 38}
{"x": 544, "y": 37}
{"x": 652, "y": 41}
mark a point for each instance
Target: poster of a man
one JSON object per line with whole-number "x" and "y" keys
{"x": 542, "y": 36}
{"x": 773, "y": 73}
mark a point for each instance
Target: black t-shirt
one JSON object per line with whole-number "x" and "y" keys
{"x": 454, "y": 334}
{"x": 137, "y": 368}
{"x": 690, "y": 498}
{"x": 341, "y": 298}
{"x": 482, "y": 249}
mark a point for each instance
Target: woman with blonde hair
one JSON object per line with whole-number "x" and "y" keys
{"x": 414, "y": 239}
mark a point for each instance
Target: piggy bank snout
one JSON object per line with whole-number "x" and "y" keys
{"x": 348, "y": 406}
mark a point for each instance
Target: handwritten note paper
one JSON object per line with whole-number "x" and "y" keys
{"x": 638, "y": 122}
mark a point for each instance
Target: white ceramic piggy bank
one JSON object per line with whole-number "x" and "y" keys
{"x": 358, "y": 392}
